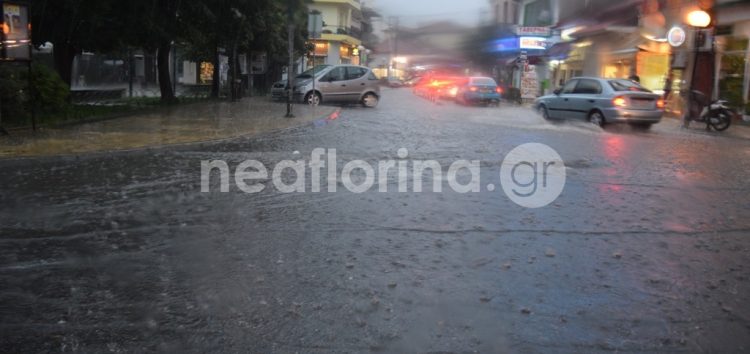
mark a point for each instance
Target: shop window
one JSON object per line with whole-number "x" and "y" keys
{"x": 652, "y": 69}
{"x": 732, "y": 70}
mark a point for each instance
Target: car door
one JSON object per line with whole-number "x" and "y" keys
{"x": 557, "y": 106}
{"x": 583, "y": 98}
{"x": 356, "y": 82}
{"x": 330, "y": 85}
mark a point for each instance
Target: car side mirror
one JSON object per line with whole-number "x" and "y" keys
{"x": 557, "y": 91}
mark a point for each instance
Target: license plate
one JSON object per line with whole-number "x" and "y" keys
{"x": 485, "y": 91}
{"x": 642, "y": 103}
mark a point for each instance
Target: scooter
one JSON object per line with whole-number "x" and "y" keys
{"x": 716, "y": 114}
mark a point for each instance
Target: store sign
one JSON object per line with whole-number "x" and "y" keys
{"x": 676, "y": 36}
{"x": 533, "y": 31}
{"x": 16, "y": 32}
{"x": 533, "y": 43}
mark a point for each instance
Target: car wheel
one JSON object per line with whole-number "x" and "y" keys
{"x": 597, "y": 118}
{"x": 313, "y": 98}
{"x": 370, "y": 100}
{"x": 544, "y": 111}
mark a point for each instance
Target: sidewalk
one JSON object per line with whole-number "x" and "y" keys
{"x": 738, "y": 129}
{"x": 167, "y": 126}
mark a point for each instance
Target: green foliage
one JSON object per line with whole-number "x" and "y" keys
{"x": 50, "y": 92}
{"x": 49, "y": 95}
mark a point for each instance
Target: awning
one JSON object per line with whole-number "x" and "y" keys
{"x": 559, "y": 50}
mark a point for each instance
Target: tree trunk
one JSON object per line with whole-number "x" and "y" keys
{"x": 215, "y": 77}
{"x": 234, "y": 63}
{"x": 64, "y": 55}
{"x": 162, "y": 65}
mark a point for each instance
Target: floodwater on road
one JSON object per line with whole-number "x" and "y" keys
{"x": 645, "y": 250}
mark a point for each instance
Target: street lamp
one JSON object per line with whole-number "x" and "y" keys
{"x": 698, "y": 19}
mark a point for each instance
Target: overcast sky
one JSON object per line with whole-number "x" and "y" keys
{"x": 412, "y": 12}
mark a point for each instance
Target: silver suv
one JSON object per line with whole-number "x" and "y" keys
{"x": 338, "y": 83}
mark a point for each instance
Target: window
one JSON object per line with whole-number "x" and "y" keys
{"x": 538, "y": 13}
{"x": 309, "y": 72}
{"x": 587, "y": 86}
{"x": 354, "y": 72}
{"x": 569, "y": 86}
{"x": 505, "y": 12}
{"x": 372, "y": 76}
{"x": 337, "y": 74}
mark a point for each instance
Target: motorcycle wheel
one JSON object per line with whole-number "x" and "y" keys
{"x": 722, "y": 121}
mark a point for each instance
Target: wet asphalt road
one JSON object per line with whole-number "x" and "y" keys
{"x": 646, "y": 250}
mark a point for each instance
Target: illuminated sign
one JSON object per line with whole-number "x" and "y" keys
{"x": 533, "y": 31}
{"x": 16, "y": 33}
{"x": 676, "y": 36}
{"x": 508, "y": 44}
{"x": 532, "y": 43}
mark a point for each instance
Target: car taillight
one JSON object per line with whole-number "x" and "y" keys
{"x": 499, "y": 89}
{"x": 660, "y": 103}
{"x": 619, "y": 101}
{"x": 473, "y": 89}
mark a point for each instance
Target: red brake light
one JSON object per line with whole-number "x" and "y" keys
{"x": 473, "y": 89}
{"x": 499, "y": 89}
{"x": 660, "y": 103}
{"x": 619, "y": 101}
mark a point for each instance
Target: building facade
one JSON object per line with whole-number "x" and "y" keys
{"x": 340, "y": 41}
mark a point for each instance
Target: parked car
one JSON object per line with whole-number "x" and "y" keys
{"x": 478, "y": 89}
{"x": 339, "y": 83}
{"x": 602, "y": 101}
{"x": 279, "y": 88}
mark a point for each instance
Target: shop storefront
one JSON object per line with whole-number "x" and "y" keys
{"x": 733, "y": 55}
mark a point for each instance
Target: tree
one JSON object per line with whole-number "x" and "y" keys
{"x": 71, "y": 26}
{"x": 153, "y": 25}
{"x": 241, "y": 26}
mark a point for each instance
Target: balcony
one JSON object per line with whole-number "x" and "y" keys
{"x": 353, "y": 3}
{"x": 349, "y": 35}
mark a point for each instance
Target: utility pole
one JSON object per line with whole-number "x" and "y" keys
{"x": 393, "y": 29}
{"x": 290, "y": 69}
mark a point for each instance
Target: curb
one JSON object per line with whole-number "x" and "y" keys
{"x": 318, "y": 122}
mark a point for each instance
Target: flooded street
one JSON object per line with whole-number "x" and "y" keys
{"x": 646, "y": 249}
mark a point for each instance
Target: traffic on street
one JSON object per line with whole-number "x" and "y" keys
{"x": 356, "y": 176}
{"x": 644, "y": 249}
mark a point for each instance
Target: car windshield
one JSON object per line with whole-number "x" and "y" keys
{"x": 316, "y": 70}
{"x": 484, "y": 81}
{"x": 627, "y": 85}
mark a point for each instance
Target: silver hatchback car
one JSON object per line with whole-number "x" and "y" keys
{"x": 603, "y": 101}
{"x": 338, "y": 83}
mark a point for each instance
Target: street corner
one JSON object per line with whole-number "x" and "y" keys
{"x": 190, "y": 124}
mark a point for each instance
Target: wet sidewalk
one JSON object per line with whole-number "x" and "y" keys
{"x": 183, "y": 124}
{"x": 738, "y": 129}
